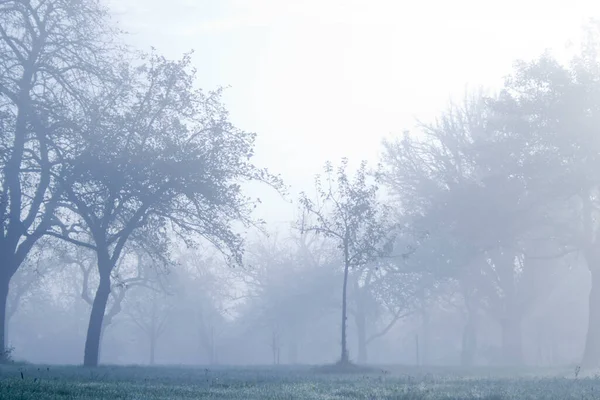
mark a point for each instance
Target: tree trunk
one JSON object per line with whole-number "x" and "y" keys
{"x": 591, "y": 354}
{"x": 92, "y": 341}
{"x": 4, "y": 284}
{"x": 417, "y": 356}
{"x": 153, "y": 331}
{"x": 510, "y": 306}
{"x": 102, "y": 334}
{"x": 345, "y": 358}
{"x": 275, "y": 346}
{"x": 469, "y": 342}
{"x": 293, "y": 353}
{"x": 213, "y": 346}
{"x": 512, "y": 340}
{"x": 469, "y": 337}
{"x": 425, "y": 336}
{"x": 361, "y": 333}
{"x": 152, "y": 347}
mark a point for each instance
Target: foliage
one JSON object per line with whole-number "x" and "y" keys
{"x": 157, "y": 160}
{"x": 162, "y": 158}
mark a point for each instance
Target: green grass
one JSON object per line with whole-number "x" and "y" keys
{"x": 43, "y": 383}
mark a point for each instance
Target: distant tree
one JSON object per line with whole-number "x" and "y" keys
{"x": 149, "y": 310}
{"x": 203, "y": 289}
{"x": 553, "y": 108}
{"x": 348, "y": 212}
{"x": 287, "y": 290}
{"x": 159, "y": 160}
{"x": 52, "y": 54}
{"x": 467, "y": 181}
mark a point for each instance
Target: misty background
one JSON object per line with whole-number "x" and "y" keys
{"x": 322, "y": 80}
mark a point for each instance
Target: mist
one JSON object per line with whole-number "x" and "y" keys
{"x": 315, "y": 183}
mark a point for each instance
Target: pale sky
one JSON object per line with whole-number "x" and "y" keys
{"x": 324, "y": 79}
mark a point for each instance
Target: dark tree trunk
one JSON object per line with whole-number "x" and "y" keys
{"x": 361, "y": 333}
{"x": 102, "y": 334}
{"x": 92, "y": 341}
{"x": 512, "y": 341}
{"x": 469, "y": 342}
{"x": 345, "y": 357}
{"x": 591, "y": 354}
{"x": 4, "y": 284}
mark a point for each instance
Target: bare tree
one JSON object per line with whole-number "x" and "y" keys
{"x": 348, "y": 212}
{"x": 208, "y": 291}
{"x": 52, "y": 54}
{"x": 149, "y": 310}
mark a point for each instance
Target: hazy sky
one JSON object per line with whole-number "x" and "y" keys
{"x": 323, "y": 79}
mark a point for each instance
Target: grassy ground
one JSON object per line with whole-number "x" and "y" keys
{"x": 40, "y": 383}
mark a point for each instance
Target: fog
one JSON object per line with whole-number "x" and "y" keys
{"x": 144, "y": 223}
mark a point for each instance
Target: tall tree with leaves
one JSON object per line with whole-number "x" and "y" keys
{"x": 554, "y": 109}
{"x": 53, "y": 53}
{"x": 160, "y": 160}
{"x": 467, "y": 182}
{"x": 348, "y": 212}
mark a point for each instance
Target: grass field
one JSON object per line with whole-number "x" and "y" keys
{"x": 37, "y": 382}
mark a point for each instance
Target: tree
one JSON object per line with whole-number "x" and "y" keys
{"x": 431, "y": 179}
{"x": 287, "y": 290}
{"x": 203, "y": 288}
{"x": 349, "y": 213}
{"x": 470, "y": 183}
{"x": 553, "y": 107}
{"x": 52, "y": 53}
{"x": 381, "y": 292}
{"x": 149, "y": 310}
{"x": 159, "y": 160}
